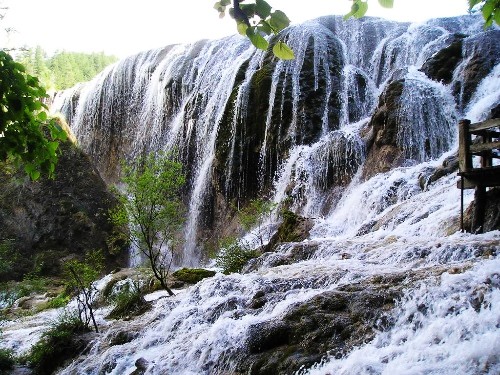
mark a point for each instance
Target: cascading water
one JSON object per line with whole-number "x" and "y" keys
{"x": 243, "y": 124}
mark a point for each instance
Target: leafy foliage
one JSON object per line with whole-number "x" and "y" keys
{"x": 233, "y": 256}
{"x": 152, "y": 203}
{"x": 256, "y": 19}
{"x": 7, "y": 361}
{"x": 490, "y": 10}
{"x": 80, "y": 278}
{"x": 8, "y": 257}
{"x": 129, "y": 301}
{"x": 58, "y": 344}
{"x": 254, "y": 215}
{"x": 27, "y": 134}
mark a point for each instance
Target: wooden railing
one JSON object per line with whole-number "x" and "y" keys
{"x": 486, "y": 146}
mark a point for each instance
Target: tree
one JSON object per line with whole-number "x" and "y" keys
{"x": 256, "y": 19}
{"x": 152, "y": 205}
{"x": 80, "y": 278}
{"x": 27, "y": 134}
{"x": 254, "y": 215}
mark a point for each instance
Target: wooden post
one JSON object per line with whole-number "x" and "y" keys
{"x": 464, "y": 141}
{"x": 479, "y": 209}
{"x": 462, "y": 229}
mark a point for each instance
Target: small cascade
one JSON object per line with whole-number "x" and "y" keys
{"x": 426, "y": 118}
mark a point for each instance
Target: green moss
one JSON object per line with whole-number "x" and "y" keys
{"x": 192, "y": 275}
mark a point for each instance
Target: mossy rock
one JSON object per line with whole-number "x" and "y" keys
{"x": 192, "y": 275}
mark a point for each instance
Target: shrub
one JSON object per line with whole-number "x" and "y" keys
{"x": 7, "y": 361}
{"x": 129, "y": 301}
{"x": 58, "y": 344}
{"x": 233, "y": 256}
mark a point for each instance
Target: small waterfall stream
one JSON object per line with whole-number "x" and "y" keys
{"x": 246, "y": 124}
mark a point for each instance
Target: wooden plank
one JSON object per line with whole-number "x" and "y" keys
{"x": 481, "y": 147}
{"x": 485, "y": 124}
{"x": 490, "y": 133}
{"x": 464, "y": 141}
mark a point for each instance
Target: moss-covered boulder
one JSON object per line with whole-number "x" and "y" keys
{"x": 192, "y": 275}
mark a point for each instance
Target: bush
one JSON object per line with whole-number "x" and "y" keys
{"x": 60, "y": 301}
{"x": 7, "y": 361}
{"x": 129, "y": 301}
{"x": 233, "y": 257}
{"x": 58, "y": 344}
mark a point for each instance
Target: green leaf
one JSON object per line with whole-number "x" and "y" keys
{"x": 262, "y": 8}
{"x": 282, "y": 51}
{"x": 362, "y": 9}
{"x": 257, "y": 39}
{"x": 42, "y": 116}
{"x": 248, "y": 9}
{"x": 358, "y": 9}
{"x": 497, "y": 17}
{"x": 264, "y": 27}
{"x": 225, "y": 2}
{"x": 242, "y": 28}
{"x": 488, "y": 9}
{"x": 278, "y": 21}
{"x": 386, "y": 3}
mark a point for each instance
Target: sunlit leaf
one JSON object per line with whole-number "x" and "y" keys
{"x": 262, "y": 8}
{"x": 257, "y": 39}
{"x": 362, "y": 9}
{"x": 278, "y": 20}
{"x": 282, "y": 51}
{"x": 265, "y": 27}
{"x": 386, "y": 3}
{"x": 242, "y": 28}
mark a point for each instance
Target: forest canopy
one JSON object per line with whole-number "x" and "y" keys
{"x": 64, "y": 69}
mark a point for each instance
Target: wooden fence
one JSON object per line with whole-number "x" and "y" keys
{"x": 486, "y": 146}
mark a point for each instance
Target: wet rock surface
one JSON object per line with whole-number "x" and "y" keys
{"x": 48, "y": 220}
{"x": 329, "y": 324}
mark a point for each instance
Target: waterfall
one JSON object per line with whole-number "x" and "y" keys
{"x": 238, "y": 119}
{"x": 349, "y": 135}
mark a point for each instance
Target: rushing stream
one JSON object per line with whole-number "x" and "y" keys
{"x": 304, "y": 140}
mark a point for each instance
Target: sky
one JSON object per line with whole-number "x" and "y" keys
{"x": 125, "y": 27}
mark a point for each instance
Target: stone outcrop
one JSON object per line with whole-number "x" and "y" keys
{"x": 50, "y": 220}
{"x": 329, "y": 324}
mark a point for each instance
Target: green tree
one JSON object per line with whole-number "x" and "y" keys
{"x": 80, "y": 279}
{"x": 27, "y": 134}
{"x": 254, "y": 215}
{"x": 152, "y": 204}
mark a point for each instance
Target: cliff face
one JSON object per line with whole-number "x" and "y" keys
{"x": 48, "y": 221}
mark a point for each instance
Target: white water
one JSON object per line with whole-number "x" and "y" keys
{"x": 386, "y": 225}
